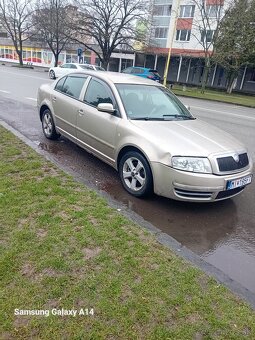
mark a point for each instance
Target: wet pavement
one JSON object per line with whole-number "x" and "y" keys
{"x": 222, "y": 233}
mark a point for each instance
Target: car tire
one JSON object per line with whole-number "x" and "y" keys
{"x": 48, "y": 125}
{"x": 52, "y": 74}
{"x": 135, "y": 174}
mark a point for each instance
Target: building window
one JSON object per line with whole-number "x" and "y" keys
{"x": 252, "y": 75}
{"x": 212, "y": 11}
{"x": 3, "y": 35}
{"x": 183, "y": 35}
{"x": 207, "y": 36}
{"x": 162, "y": 10}
{"x": 187, "y": 11}
{"x": 161, "y": 32}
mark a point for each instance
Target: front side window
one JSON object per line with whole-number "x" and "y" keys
{"x": 183, "y": 35}
{"x": 97, "y": 93}
{"x": 73, "y": 85}
{"x": 144, "y": 102}
{"x": 187, "y": 11}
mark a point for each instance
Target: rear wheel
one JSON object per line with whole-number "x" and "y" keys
{"x": 48, "y": 125}
{"x": 52, "y": 74}
{"x": 135, "y": 174}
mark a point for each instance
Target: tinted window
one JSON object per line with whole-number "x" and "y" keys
{"x": 60, "y": 83}
{"x": 135, "y": 70}
{"x": 73, "y": 86}
{"x": 98, "y": 93}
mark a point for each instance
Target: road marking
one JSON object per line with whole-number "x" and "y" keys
{"x": 222, "y": 112}
{"x": 24, "y": 75}
{"x": 31, "y": 98}
{"x": 3, "y": 91}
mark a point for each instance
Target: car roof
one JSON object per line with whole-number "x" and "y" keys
{"x": 119, "y": 78}
{"x": 143, "y": 68}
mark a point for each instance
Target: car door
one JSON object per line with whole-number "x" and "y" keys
{"x": 66, "y": 103}
{"x": 97, "y": 129}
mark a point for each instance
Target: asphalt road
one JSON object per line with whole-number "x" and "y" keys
{"x": 222, "y": 233}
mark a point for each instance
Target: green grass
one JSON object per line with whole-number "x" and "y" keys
{"x": 233, "y": 98}
{"x": 62, "y": 246}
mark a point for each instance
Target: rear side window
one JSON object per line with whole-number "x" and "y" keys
{"x": 98, "y": 93}
{"x": 73, "y": 86}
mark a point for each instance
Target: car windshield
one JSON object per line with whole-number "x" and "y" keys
{"x": 144, "y": 102}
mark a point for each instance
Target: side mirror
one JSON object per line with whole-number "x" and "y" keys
{"x": 106, "y": 107}
{"x": 187, "y": 107}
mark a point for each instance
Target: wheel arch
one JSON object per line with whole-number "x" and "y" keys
{"x": 42, "y": 109}
{"x": 128, "y": 148}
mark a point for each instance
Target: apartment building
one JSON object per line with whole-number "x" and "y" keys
{"x": 187, "y": 27}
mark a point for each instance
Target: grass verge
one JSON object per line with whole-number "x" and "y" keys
{"x": 239, "y": 99}
{"x": 62, "y": 246}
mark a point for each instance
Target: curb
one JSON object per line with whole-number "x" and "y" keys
{"x": 161, "y": 237}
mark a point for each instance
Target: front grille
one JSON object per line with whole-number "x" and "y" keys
{"x": 229, "y": 193}
{"x": 229, "y": 164}
{"x": 193, "y": 194}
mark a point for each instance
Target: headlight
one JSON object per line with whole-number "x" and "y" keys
{"x": 192, "y": 164}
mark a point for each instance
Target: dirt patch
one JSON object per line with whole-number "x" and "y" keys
{"x": 52, "y": 303}
{"x": 93, "y": 221}
{"x": 21, "y": 321}
{"x": 41, "y": 233}
{"x": 91, "y": 253}
{"x": 28, "y": 270}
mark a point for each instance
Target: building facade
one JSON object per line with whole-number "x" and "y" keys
{"x": 187, "y": 28}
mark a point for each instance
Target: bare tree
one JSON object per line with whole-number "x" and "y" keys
{"x": 16, "y": 20}
{"x": 109, "y": 24}
{"x": 205, "y": 30}
{"x": 51, "y": 19}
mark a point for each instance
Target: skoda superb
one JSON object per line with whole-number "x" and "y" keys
{"x": 141, "y": 129}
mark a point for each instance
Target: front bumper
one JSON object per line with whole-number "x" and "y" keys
{"x": 195, "y": 187}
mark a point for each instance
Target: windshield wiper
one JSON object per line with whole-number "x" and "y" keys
{"x": 179, "y": 116}
{"x": 146, "y": 118}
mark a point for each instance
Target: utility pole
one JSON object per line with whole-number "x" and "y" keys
{"x": 171, "y": 42}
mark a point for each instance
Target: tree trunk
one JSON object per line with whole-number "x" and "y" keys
{"x": 231, "y": 83}
{"x": 205, "y": 74}
{"x": 20, "y": 57}
{"x": 56, "y": 59}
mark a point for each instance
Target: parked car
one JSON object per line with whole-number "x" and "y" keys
{"x": 143, "y": 130}
{"x": 143, "y": 72}
{"x": 55, "y": 72}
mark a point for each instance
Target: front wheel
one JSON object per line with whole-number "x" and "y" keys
{"x": 135, "y": 174}
{"x": 48, "y": 125}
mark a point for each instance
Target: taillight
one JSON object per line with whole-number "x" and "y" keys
{"x": 150, "y": 77}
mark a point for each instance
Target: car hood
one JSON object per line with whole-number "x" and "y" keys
{"x": 188, "y": 137}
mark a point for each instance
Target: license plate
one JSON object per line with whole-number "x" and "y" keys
{"x": 241, "y": 182}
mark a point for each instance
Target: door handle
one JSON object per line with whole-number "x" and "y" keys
{"x": 81, "y": 112}
{"x": 54, "y": 99}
